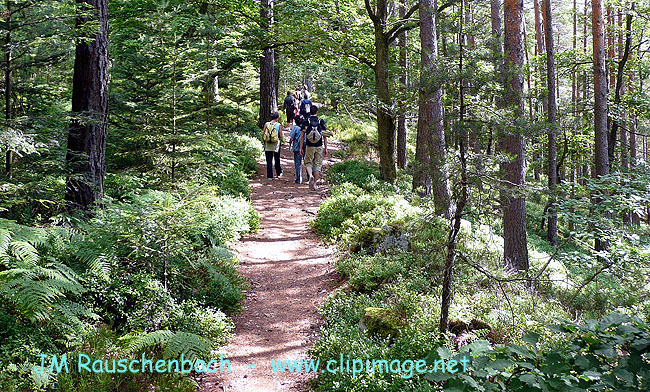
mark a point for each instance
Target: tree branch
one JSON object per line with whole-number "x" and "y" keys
{"x": 371, "y": 13}
{"x": 361, "y": 59}
{"x": 445, "y": 6}
{"x": 399, "y": 28}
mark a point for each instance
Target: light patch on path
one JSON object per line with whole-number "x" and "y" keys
{"x": 290, "y": 274}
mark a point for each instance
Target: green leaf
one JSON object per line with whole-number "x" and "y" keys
{"x": 500, "y": 364}
{"x": 520, "y": 350}
{"x": 606, "y": 350}
{"x": 555, "y": 364}
{"x": 531, "y": 338}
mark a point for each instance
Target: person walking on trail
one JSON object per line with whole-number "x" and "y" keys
{"x": 305, "y": 106}
{"x": 289, "y": 107}
{"x": 298, "y": 95}
{"x": 271, "y": 136}
{"x": 314, "y": 135}
{"x": 295, "y": 138}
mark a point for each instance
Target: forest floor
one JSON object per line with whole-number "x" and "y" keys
{"x": 290, "y": 273}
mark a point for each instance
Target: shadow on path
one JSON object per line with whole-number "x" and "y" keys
{"x": 290, "y": 273}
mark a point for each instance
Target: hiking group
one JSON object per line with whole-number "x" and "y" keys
{"x": 307, "y": 138}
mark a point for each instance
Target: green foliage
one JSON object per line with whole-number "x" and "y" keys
{"x": 605, "y": 355}
{"x": 342, "y": 217}
{"x": 103, "y": 345}
{"x": 120, "y": 186}
{"x": 366, "y": 273}
{"x": 359, "y": 173}
{"x": 154, "y": 261}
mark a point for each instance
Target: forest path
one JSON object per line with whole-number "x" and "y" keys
{"x": 290, "y": 273}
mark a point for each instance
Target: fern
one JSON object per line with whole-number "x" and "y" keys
{"x": 173, "y": 344}
{"x": 190, "y": 345}
{"x": 135, "y": 343}
{"x": 37, "y": 286}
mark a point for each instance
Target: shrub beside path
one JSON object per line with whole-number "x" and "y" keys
{"x": 290, "y": 273}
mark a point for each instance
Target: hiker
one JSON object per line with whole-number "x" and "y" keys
{"x": 313, "y": 132}
{"x": 298, "y": 95}
{"x": 289, "y": 107}
{"x": 295, "y": 138}
{"x": 305, "y": 106}
{"x": 271, "y": 136}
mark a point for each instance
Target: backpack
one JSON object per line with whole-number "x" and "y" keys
{"x": 307, "y": 107}
{"x": 269, "y": 134}
{"x": 314, "y": 133}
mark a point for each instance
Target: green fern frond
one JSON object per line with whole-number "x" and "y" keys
{"x": 139, "y": 342}
{"x": 24, "y": 251}
{"x": 192, "y": 346}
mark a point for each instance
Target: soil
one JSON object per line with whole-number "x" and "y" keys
{"x": 290, "y": 273}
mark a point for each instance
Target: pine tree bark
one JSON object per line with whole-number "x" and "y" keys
{"x": 268, "y": 97}
{"x": 401, "y": 121}
{"x": 430, "y": 172}
{"x": 511, "y": 142}
{"x": 87, "y": 135}
{"x": 552, "y": 120}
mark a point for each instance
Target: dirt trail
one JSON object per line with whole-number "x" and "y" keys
{"x": 290, "y": 273}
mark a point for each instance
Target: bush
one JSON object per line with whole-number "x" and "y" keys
{"x": 342, "y": 335}
{"x": 599, "y": 355}
{"x": 366, "y": 273}
{"x": 343, "y": 216}
{"x": 357, "y": 172}
{"x": 246, "y": 145}
{"x": 119, "y": 186}
{"x": 234, "y": 183}
{"x": 154, "y": 263}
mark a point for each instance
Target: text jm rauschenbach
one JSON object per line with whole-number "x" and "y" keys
{"x": 406, "y": 368}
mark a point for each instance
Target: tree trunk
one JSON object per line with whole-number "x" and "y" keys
{"x": 574, "y": 80}
{"x": 585, "y": 74}
{"x": 495, "y": 21}
{"x": 552, "y": 120}
{"x": 633, "y": 148}
{"x": 268, "y": 97}
{"x": 497, "y": 54}
{"x": 601, "y": 157}
{"x": 401, "y": 121}
{"x": 276, "y": 73}
{"x": 87, "y": 136}
{"x": 511, "y": 142}
{"x": 528, "y": 74}
{"x": 385, "y": 116}
{"x": 430, "y": 173}
{"x": 619, "y": 89}
{"x": 446, "y": 297}
{"x": 609, "y": 33}
{"x": 539, "y": 49}
{"x": 8, "y": 86}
